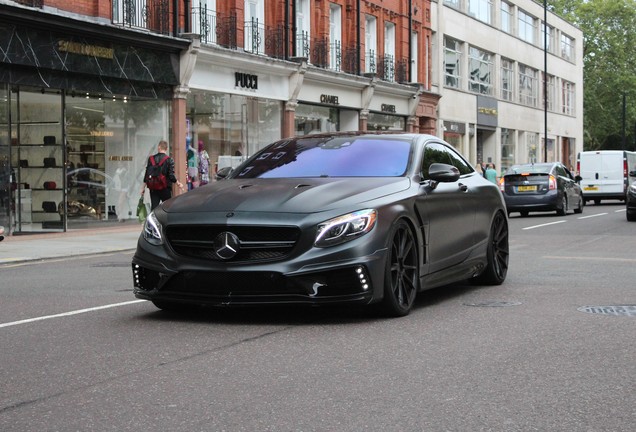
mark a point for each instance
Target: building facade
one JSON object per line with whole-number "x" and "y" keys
{"x": 489, "y": 67}
{"x": 88, "y": 88}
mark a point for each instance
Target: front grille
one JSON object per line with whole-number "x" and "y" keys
{"x": 257, "y": 243}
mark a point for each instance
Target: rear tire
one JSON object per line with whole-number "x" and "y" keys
{"x": 401, "y": 280}
{"x": 564, "y": 207}
{"x": 631, "y": 217}
{"x": 497, "y": 254}
{"x": 579, "y": 208}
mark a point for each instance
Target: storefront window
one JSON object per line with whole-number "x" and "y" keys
{"x": 5, "y": 165}
{"x": 312, "y": 119}
{"x": 379, "y": 122}
{"x": 232, "y": 127}
{"x": 507, "y": 149}
{"x": 78, "y": 158}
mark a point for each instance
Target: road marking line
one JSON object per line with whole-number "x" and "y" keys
{"x": 591, "y": 216}
{"x": 542, "y": 225}
{"x": 65, "y": 314}
{"x": 591, "y": 258}
{"x": 621, "y": 210}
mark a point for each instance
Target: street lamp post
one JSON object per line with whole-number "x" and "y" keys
{"x": 545, "y": 80}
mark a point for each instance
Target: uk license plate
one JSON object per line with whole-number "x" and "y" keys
{"x": 590, "y": 188}
{"x": 526, "y": 188}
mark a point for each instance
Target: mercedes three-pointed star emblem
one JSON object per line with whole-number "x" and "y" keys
{"x": 226, "y": 245}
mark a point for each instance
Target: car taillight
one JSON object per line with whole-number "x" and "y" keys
{"x": 502, "y": 184}
{"x": 553, "y": 182}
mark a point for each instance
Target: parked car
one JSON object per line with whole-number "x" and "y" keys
{"x": 631, "y": 197}
{"x": 541, "y": 187}
{"x": 356, "y": 218}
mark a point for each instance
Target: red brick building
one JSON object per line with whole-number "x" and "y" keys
{"x": 109, "y": 79}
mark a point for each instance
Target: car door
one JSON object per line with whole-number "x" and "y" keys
{"x": 569, "y": 185}
{"x": 448, "y": 210}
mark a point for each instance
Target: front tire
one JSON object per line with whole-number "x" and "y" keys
{"x": 579, "y": 208}
{"x": 497, "y": 254}
{"x": 401, "y": 280}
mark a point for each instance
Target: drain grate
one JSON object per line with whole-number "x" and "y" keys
{"x": 616, "y": 310}
{"x": 493, "y": 304}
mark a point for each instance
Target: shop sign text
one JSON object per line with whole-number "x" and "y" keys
{"x": 245, "y": 80}
{"x": 329, "y": 99}
{"x": 387, "y": 108}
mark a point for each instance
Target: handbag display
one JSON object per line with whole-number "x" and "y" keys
{"x": 49, "y": 140}
{"x": 50, "y": 185}
{"x": 49, "y": 206}
{"x": 49, "y": 162}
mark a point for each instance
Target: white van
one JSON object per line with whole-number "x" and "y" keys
{"x": 604, "y": 174}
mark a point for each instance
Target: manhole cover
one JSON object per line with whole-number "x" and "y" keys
{"x": 493, "y": 304}
{"x": 624, "y": 310}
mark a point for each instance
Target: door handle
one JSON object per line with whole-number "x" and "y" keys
{"x": 463, "y": 187}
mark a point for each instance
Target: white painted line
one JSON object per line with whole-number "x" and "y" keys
{"x": 621, "y": 210}
{"x": 542, "y": 225}
{"x": 65, "y": 314}
{"x": 627, "y": 260}
{"x": 591, "y": 216}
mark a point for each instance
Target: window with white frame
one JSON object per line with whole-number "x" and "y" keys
{"x": 389, "y": 51}
{"x": 303, "y": 29}
{"x": 532, "y": 139}
{"x": 254, "y": 30}
{"x": 507, "y": 79}
{"x": 526, "y": 26}
{"x": 414, "y": 58}
{"x": 453, "y": 3}
{"x": 506, "y": 17}
{"x": 371, "y": 44}
{"x": 567, "y": 96}
{"x": 547, "y": 39}
{"x": 480, "y": 68}
{"x": 481, "y": 9}
{"x": 452, "y": 62}
{"x": 528, "y": 87}
{"x": 567, "y": 47}
{"x": 335, "y": 36}
{"x": 507, "y": 149}
{"x": 551, "y": 92}
{"x": 204, "y": 20}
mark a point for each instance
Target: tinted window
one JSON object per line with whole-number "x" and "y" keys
{"x": 330, "y": 157}
{"x": 439, "y": 153}
{"x": 531, "y": 168}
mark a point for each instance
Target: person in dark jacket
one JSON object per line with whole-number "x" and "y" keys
{"x": 158, "y": 196}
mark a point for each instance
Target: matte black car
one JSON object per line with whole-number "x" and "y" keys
{"x": 356, "y": 218}
{"x": 631, "y": 197}
{"x": 541, "y": 187}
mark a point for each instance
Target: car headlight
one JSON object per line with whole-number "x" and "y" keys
{"x": 346, "y": 227}
{"x": 632, "y": 188}
{"x": 152, "y": 230}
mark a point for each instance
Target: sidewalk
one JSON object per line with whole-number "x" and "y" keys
{"x": 33, "y": 247}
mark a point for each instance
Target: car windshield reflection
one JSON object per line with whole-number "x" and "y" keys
{"x": 330, "y": 157}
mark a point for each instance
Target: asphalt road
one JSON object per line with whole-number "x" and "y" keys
{"x": 80, "y": 354}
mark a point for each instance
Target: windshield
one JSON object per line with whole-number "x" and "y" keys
{"x": 330, "y": 157}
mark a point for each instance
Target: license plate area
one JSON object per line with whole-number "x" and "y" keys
{"x": 590, "y": 188}
{"x": 527, "y": 188}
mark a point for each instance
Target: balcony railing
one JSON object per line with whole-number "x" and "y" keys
{"x": 275, "y": 41}
{"x": 226, "y": 31}
{"x": 320, "y": 53}
{"x": 254, "y": 36}
{"x": 32, "y": 3}
{"x": 150, "y": 15}
{"x": 204, "y": 24}
{"x": 386, "y": 71}
{"x": 302, "y": 44}
{"x": 335, "y": 56}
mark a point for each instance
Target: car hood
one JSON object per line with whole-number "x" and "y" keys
{"x": 284, "y": 195}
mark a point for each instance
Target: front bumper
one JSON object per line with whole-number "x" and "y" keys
{"x": 325, "y": 278}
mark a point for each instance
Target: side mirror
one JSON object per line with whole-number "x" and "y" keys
{"x": 223, "y": 173}
{"x": 443, "y": 173}
{"x": 632, "y": 173}
{"x": 578, "y": 178}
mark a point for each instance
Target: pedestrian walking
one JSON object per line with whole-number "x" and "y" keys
{"x": 160, "y": 176}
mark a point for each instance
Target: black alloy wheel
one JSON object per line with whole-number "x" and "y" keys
{"x": 401, "y": 279}
{"x": 497, "y": 253}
